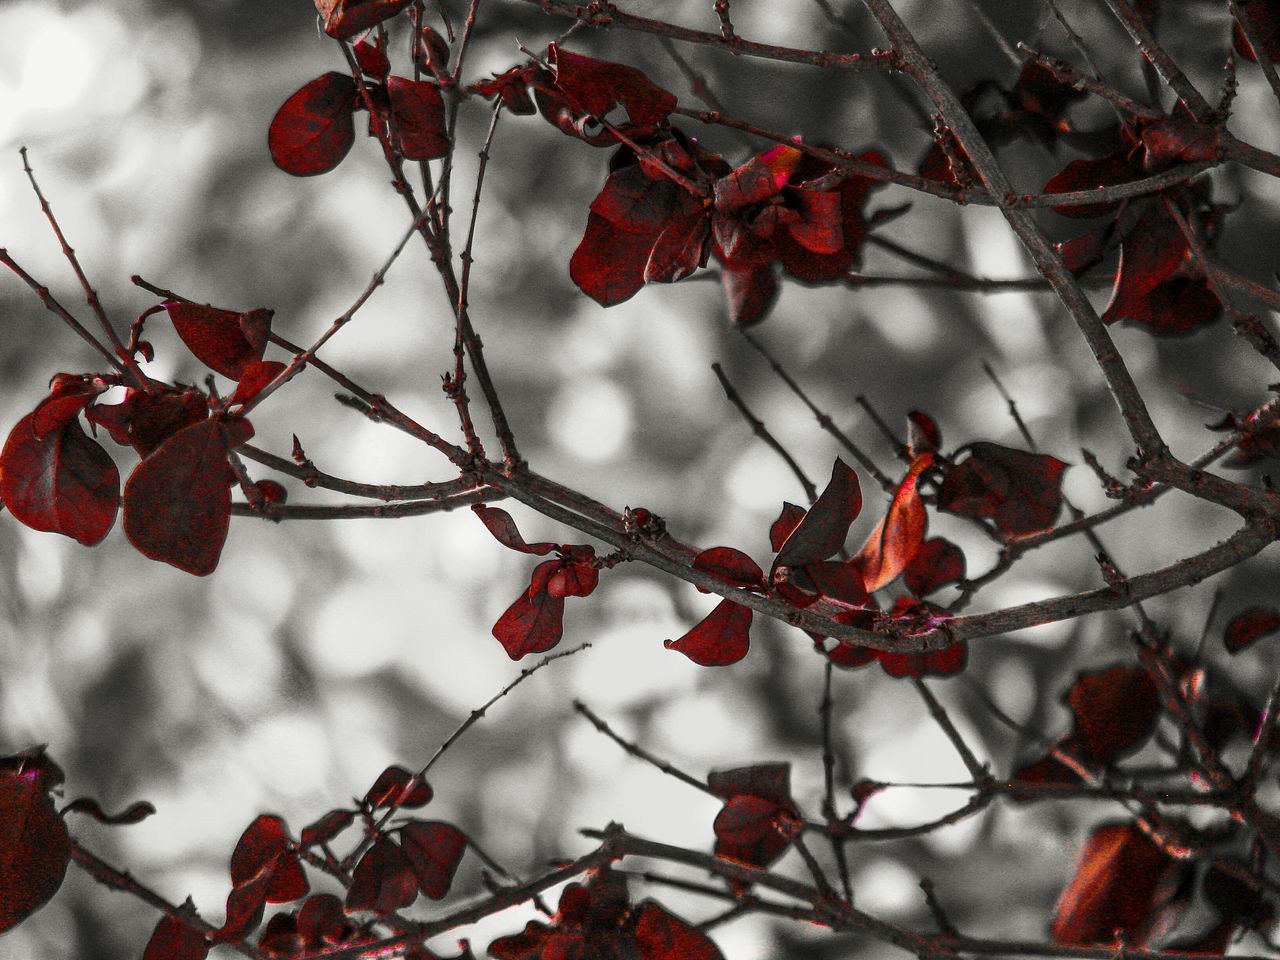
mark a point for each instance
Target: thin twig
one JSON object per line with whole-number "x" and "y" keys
{"x": 637, "y": 751}
{"x": 761, "y": 431}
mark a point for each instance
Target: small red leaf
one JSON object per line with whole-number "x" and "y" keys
{"x": 504, "y": 530}
{"x": 223, "y": 340}
{"x": 721, "y": 638}
{"x": 535, "y": 622}
{"x": 786, "y": 523}
{"x": 758, "y": 179}
{"x": 343, "y": 19}
{"x": 326, "y": 828}
{"x": 417, "y": 118}
{"x": 391, "y": 789}
{"x": 937, "y": 563}
{"x": 434, "y": 848}
{"x": 759, "y": 819}
{"x": 770, "y": 781}
{"x": 823, "y": 530}
{"x": 177, "y": 503}
{"x": 313, "y": 130}
{"x": 245, "y": 905}
{"x": 660, "y": 935}
{"x": 749, "y": 291}
{"x": 174, "y": 940}
{"x": 383, "y": 880}
{"x": 1247, "y": 628}
{"x": 254, "y": 377}
{"x": 266, "y": 841}
{"x": 1115, "y": 711}
{"x": 820, "y": 228}
{"x": 681, "y": 248}
{"x": 895, "y": 540}
{"x": 372, "y": 59}
{"x": 34, "y": 845}
{"x": 730, "y": 565}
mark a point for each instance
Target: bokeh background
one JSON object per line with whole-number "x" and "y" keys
{"x": 319, "y": 653}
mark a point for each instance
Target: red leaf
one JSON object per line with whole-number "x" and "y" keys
{"x": 372, "y": 60}
{"x": 223, "y": 340}
{"x": 758, "y": 179}
{"x": 1020, "y": 492}
{"x": 782, "y": 528}
{"x": 313, "y": 130}
{"x": 322, "y": 922}
{"x": 1114, "y": 168}
{"x": 721, "y": 638}
{"x": 730, "y": 565}
{"x": 1115, "y": 711}
{"x": 801, "y": 260}
{"x": 64, "y": 483}
{"x": 434, "y": 848}
{"x": 245, "y": 904}
{"x": 820, "y": 228}
{"x": 1114, "y": 891}
{"x": 937, "y": 563}
{"x": 343, "y": 19}
{"x": 504, "y": 530}
{"x": 660, "y": 935}
{"x": 326, "y": 828}
{"x": 633, "y": 201}
{"x": 174, "y": 940}
{"x": 146, "y": 420}
{"x": 596, "y": 86}
{"x": 535, "y": 622}
{"x": 1247, "y": 628}
{"x": 383, "y": 880}
{"x": 1048, "y": 770}
{"x": 923, "y": 435}
{"x": 895, "y": 540}
{"x": 34, "y": 845}
{"x": 391, "y": 789}
{"x": 575, "y": 577}
{"x": 254, "y": 377}
{"x": 609, "y": 263}
{"x": 769, "y": 781}
{"x": 266, "y": 841}
{"x": 417, "y": 117}
{"x": 1181, "y": 305}
{"x": 759, "y": 818}
{"x": 943, "y": 662}
{"x": 681, "y": 248}
{"x": 823, "y": 530}
{"x": 749, "y": 291}
{"x": 177, "y": 503}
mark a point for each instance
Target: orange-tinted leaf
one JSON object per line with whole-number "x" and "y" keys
{"x": 719, "y": 639}
{"x": 895, "y": 540}
{"x": 177, "y": 503}
{"x": 223, "y": 340}
{"x": 34, "y": 845}
{"x": 434, "y": 849}
{"x": 313, "y": 130}
{"x": 823, "y": 530}
{"x": 923, "y": 435}
{"x": 417, "y": 118}
{"x": 1247, "y": 628}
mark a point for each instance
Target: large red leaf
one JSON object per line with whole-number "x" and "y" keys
{"x": 34, "y": 845}
{"x": 174, "y": 940}
{"x": 63, "y": 482}
{"x": 802, "y": 247}
{"x": 596, "y": 86}
{"x": 313, "y": 130}
{"x": 719, "y": 639}
{"x": 535, "y": 622}
{"x": 823, "y": 530}
{"x": 1020, "y": 492}
{"x": 417, "y": 116}
{"x": 177, "y": 503}
{"x": 434, "y": 849}
{"x": 895, "y": 540}
{"x": 146, "y": 420}
{"x": 383, "y": 881}
{"x": 1114, "y": 893}
{"x": 264, "y": 841}
{"x": 224, "y": 341}
{"x": 609, "y": 263}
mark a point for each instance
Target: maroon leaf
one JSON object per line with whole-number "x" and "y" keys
{"x": 609, "y": 263}
{"x": 820, "y": 228}
{"x": 343, "y": 19}
{"x": 254, "y": 377}
{"x": 633, "y": 201}
{"x": 1020, "y": 492}
{"x": 758, "y": 179}
{"x": 322, "y": 922}
{"x": 146, "y": 420}
{"x": 434, "y": 848}
{"x": 1114, "y": 891}
{"x": 1247, "y": 628}
{"x": 937, "y": 563}
{"x": 177, "y": 503}
{"x": 280, "y": 938}
{"x": 417, "y": 118}
{"x": 730, "y": 565}
{"x": 34, "y": 845}
{"x": 313, "y": 130}
{"x": 383, "y": 881}
{"x": 266, "y": 841}
{"x": 660, "y": 935}
{"x": 782, "y": 528}
{"x": 1181, "y": 305}
{"x": 801, "y": 259}
{"x": 769, "y": 781}
{"x": 326, "y": 828}
{"x": 63, "y": 482}
{"x": 245, "y": 905}
{"x": 681, "y": 248}
{"x": 391, "y": 789}
{"x": 223, "y": 340}
{"x": 823, "y": 530}
{"x": 759, "y": 819}
{"x": 750, "y": 291}
{"x": 134, "y": 813}
{"x": 372, "y": 60}
{"x": 1048, "y": 770}
{"x": 719, "y": 639}
{"x": 535, "y": 622}
{"x": 596, "y": 86}
{"x": 1115, "y": 711}
{"x": 174, "y": 940}
{"x": 504, "y": 530}
{"x": 942, "y": 662}
{"x": 1107, "y": 171}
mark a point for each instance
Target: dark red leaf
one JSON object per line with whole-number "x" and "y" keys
{"x": 391, "y": 789}
{"x": 937, "y": 563}
{"x": 174, "y": 940}
{"x": 434, "y": 848}
{"x": 1250, "y": 626}
{"x": 535, "y": 622}
{"x": 245, "y": 905}
{"x": 1183, "y": 304}
{"x": 758, "y": 179}
{"x": 660, "y": 935}
{"x": 923, "y": 435}
{"x": 942, "y": 662}
{"x": 64, "y": 483}
{"x": 146, "y": 420}
{"x": 1018, "y": 491}
{"x": 223, "y": 340}
{"x": 343, "y": 19}
{"x": 1114, "y": 891}
{"x": 823, "y": 530}
{"x": 280, "y": 938}
{"x": 134, "y": 813}
{"x": 322, "y": 922}
{"x": 1107, "y": 171}
{"x": 326, "y": 828}
{"x": 383, "y": 881}
{"x": 271, "y": 492}
{"x": 609, "y": 263}
{"x": 596, "y": 86}
{"x": 1048, "y": 770}
{"x": 372, "y": 60}
{"x": 719, "y": 639}
{"x": 633, "y": 201}
{"x": 1179, "y": 139}
{"x": 730, "y": 565}
{"x": 34, "y": 845}
{"x": 801, "y": 260}
{"x": 1264, "y": 24}
{"x": 504, "y": 530}
{"x": 681, "y": 248}
{"x": 68, "y": 395}
{"x": 782, "y": 528}
{"x": 835, "y": 580}
{"x": 759, "y": 819}
{"x": 266, "y": 841}
{"x": 177, "y": 503}
{"x": 1234, "y": 900}
{"x": 1115, "y": 711}
{"x": 820, "y": 228}
{"x": 575, "y": 577}
{"x": 526, "y": 945}
{"x": 254, "y": 377}
{"x": 894, "y": 542}
{"x": 750, "y": 291}
{"x": 417, "y": 118}
{"x": 313, "y": 130}
{"x": 769, "y": 781}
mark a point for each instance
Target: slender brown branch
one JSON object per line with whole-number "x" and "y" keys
{"x": 761, "y": 431}
{"x": 637, "y": 751}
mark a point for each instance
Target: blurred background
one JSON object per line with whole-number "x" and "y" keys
{"x": 319, "y": 653}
